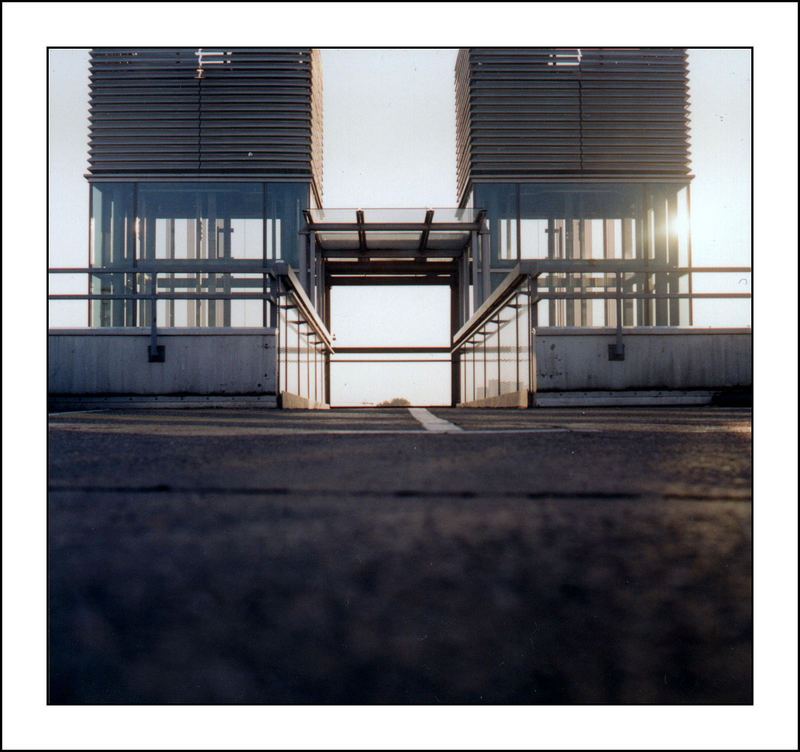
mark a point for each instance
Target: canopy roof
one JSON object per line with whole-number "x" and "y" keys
{"x": 432, "y": 232}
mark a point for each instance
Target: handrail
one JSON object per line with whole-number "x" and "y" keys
{"x": 530, "y": 269}
{"x": 307, "y": 306}
{"x": 280, "y": 271}
{"x": 492, "y": 304}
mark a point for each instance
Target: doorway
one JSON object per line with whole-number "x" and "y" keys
{"x": 370, "y": 321}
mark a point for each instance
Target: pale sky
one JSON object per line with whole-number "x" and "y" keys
{"x": 389, "y": 140}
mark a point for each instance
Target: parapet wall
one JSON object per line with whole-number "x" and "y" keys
{"x": 655, "y": 358}
{"x": 197, "y": 362}
{"x": 220, "y": 362}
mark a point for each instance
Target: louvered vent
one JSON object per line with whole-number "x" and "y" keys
{"x": 567, "y": 113}
{"x": 252, "y": 112}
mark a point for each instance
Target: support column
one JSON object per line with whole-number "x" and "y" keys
{"x": 211, "y": 234}
{"x": 117, "y": 239}
{"x": 486, "y": 256}
{"x": 628, "y": 252}
{"x": 585, "y": 306}
{"x": 660, "y": 258}
{"x": 610, "y": 317}
{"x": 192, "y": 311}
{"x": 551, "y": 254}
{"x": 643, "y": 307}
{"x": 326, "y": 318}
{"x": 319, "y": 265}
{"x": 570, "y": 252}
{"x": 673, "y": 258}
{"x": 533, "y": 322}
{"x": 475, "y": 267}
{"x": 149, "y": 247}
{"x": 455, "y": 325}
{"x": 302, "y": 260}
{"x": 464, "y": 286}
{"x": 226, "y": 284}
{"x": 689, "y": 248}
{"x": 171, "y": 255}
{"x": 310, "y": 261}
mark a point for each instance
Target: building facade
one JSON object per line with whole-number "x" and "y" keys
{"x": 209, "y": 238}
{"x": 199, "y": 154}
{"x": 579, "y": 154}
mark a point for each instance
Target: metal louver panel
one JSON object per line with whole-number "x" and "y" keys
{"x": 570, "y": 113}
{"x": 242, "y": 112}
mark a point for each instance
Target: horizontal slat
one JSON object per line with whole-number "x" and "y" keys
{"x": 576, "y": 112}
{"x": 150, "y": 113}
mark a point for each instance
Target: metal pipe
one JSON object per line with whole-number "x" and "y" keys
{"x": 619, "y": 312}
{"x": 153, "y": 318}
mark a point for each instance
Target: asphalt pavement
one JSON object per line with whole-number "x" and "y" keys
{"x": 563, "y": 555}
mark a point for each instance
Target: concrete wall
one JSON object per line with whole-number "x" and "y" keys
{"x": 198, "y": 361}
{"x": 655, "y": 358}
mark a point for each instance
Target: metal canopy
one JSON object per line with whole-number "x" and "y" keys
{"x": 393, "y": 233}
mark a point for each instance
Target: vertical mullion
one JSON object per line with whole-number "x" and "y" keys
{"x": 516, "y": 336}
{"x": 90, "y": 248}
{"x": 499, "y": 356}
{"x": 264, "y": 252}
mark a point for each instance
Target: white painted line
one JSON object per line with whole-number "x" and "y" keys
{"x": 431, "y": 423}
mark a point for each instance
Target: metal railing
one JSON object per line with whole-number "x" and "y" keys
{"x": 495, "y": 347}
{"x": 280, "y": 291}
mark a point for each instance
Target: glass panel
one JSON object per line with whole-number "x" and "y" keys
{"x": 500, "y": 202}
{"x": 507, "y": 345}
{"x": 392, "y": 216}
{"x": 338, "y": 241}
{"x": 507, "y": 248}
{"x": 112, "y": 242}
{"x": 496, "y": 358}
{"x": 446, "y": 241}
{"x": 285, "y": 205}
{"x": 469, "y": 381}
{"x": 190, "y": 313}
{"x": 320, "y": 216}
{"x": 492, "y": 350}
{"x": 580, "y": 200}
{"x": 454, "y": 215}
{"x": 302, "y": 357}
{"x": 523, "y": 352}
{"x": 572, "y": 221}
{"x": 534, "y": 238}
{"x": 200, "y": 221}
{"x": 290, "y": 344}
{"x": 400, "y": 241}
{"x": 206, "y": 220}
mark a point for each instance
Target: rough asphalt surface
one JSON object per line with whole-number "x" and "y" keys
{"x": 349, "y": 556}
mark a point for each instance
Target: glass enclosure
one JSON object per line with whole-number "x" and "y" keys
{"x": 591, "y": 221}
{"x": 302, "y": 355}
{"x": 496, "y": 359}
{"x": 112, "y": 242}
{"x": 140, "y": 222}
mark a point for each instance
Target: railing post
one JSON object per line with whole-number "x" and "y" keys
{"x": 617, "y": 350}
{"x": 486, "y": 255}
{"x": 155, "y": 352}
{"x": 531, "y": 345}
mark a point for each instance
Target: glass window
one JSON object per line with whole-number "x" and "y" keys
{"x": 500, "y": 202}
{"x": 206, "y": 220}
{"x": 285, "y": 205}
{"x": 112, "y": 242}
{"x": 112, "y": 228}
